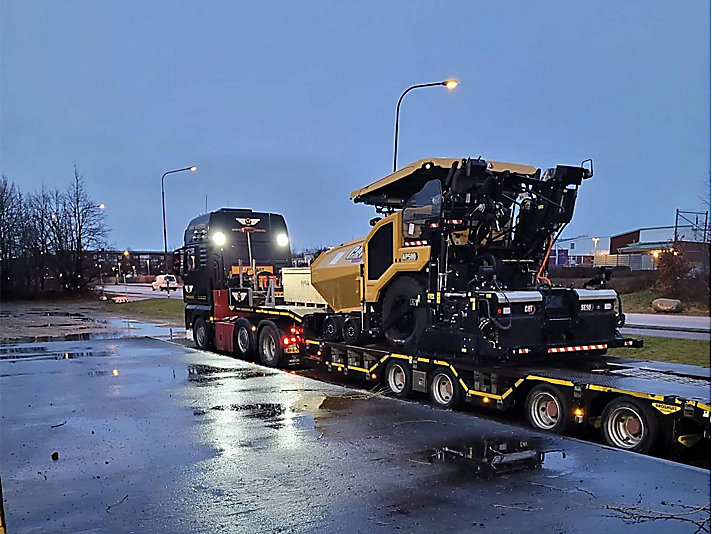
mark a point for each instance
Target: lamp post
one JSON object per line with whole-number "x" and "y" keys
{"x": 193, "y": 168}
{"x": 450, "y": 84}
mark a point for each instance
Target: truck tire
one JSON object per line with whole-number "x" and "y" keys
{"x": 399, "y": 378}
{"x": 352, "y": 330}
{"x": 270, "y": 345}
{"x": 548, "y": 409}
{"x": 333, "y": 329}
{"x": 629, "y": 424}
{"x": 443, "y": 389}
{"x": 201, "y": 334}
{"x": 403, "y": 323}
{"x": 244, "y": 342}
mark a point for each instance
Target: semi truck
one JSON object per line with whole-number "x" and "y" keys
{"x": 448, "y": 296}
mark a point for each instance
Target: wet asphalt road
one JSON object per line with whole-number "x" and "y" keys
{"x": 152, "y": 436}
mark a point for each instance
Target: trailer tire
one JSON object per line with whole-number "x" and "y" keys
{"x": 244, "y": 343}
{"x": 333, "y": 328}
{"x": 352, "y": 330}
{"x": 548, "y": 409}
{"x": 398, "y": 377}
{"x": 405, "y": 331}
{"x": 444, "y": 389}
{"x": 270, "y": 345}
{"x": 201, "y": 334}
{"x": 629, "y": 424}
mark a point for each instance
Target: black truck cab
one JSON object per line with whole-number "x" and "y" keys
{"x": 225, "y": 245}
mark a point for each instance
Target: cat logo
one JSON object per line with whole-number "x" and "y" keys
{"x": 248, "y": 222}
{"x": 356, "y": 254}
{"x": 188, "y": 289}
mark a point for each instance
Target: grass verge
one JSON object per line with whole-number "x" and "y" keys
{"x": 664, "y": 349}
{"x": 161, "y": 308}
{"x": 641, "y": 302}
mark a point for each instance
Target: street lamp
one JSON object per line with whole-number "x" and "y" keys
{"x": 450, "y": 84}
{"x": 193, "y": 168}
{"x": 595, "y": 244}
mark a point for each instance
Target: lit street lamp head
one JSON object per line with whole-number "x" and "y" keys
{"x": 450, "y": 84}
{"x": 193, "y": 168}
{"x": 101, "y": 206}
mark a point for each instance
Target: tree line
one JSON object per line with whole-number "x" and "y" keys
{"x": 45, "y": 239}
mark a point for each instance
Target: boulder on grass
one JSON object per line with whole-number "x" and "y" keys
{"x": 667, "y": 305}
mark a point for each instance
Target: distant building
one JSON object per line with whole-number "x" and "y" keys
{"x": 692, "y": 241}
{"x": 130, "y": 262}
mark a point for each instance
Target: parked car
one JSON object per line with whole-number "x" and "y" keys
{"x": 165, "y": 282}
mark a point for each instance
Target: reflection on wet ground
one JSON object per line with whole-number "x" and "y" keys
{"x": 493, "y": 456}
{"x": 33, "y": 352}
{"x": 105, "y": 329}
{"x": 206, "y": 374}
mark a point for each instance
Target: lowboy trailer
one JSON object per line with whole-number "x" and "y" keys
{"x": 640, "y": 406}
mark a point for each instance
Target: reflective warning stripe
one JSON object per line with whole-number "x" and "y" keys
{"x": 415, "y": 243}
{"x": 577, "y": 348}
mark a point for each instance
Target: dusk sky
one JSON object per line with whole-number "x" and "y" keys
{"x": 289, "y": 106}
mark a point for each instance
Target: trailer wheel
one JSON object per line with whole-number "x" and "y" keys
{"x": 333, "y": 328}
{"x": 270, "y": 346}
{"x": 444, "y": 390}
{"x": 201, "y": 333}
{"x": 352, "y": 330}
{"x": 548, "y": 409}
{"x": 399, "y": 378}
{"x": 629, "y": 424}
{"x": 244, "y": 342}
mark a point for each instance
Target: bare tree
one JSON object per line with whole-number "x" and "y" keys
{"x": 48, "y": 232}
{"x": 86, "y": 229}
{"x": 10, "y": 218}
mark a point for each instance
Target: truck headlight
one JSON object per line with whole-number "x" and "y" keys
{"x": 282, "y": 240}
{"x": 219, "y": 238}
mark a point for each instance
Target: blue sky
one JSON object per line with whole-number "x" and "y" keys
{"x": 289, "y": 106}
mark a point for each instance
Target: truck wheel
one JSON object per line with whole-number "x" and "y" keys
{"x": 404, "y": 322}
{"x": 548, "y": 409}
{"x": 444, "y": 390}
{"x": 201, "y": 334}
{"x": 629, "y": 424}
{"x": 270, "y": 346}
{"x": 244, "y": 343}
{"x": 333, "y": 328}
{"x": 399, "y": 378}
{"x": 352, "y": 330}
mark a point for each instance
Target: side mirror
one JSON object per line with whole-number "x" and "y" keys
{"x": 587, "y": 171}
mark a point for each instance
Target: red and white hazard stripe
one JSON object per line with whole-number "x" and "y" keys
{"x": 415, "y": 243}
{"x": 454, "y": 221}
{"x": 577, "y": 348}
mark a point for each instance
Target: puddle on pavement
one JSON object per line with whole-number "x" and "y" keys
{"x": 42, "y": 353}
{"x": 274, "y": 415}
{"x": 207, "y": 374}
{"x": 492, "y": 456}
{"x": 102, "y": 329}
